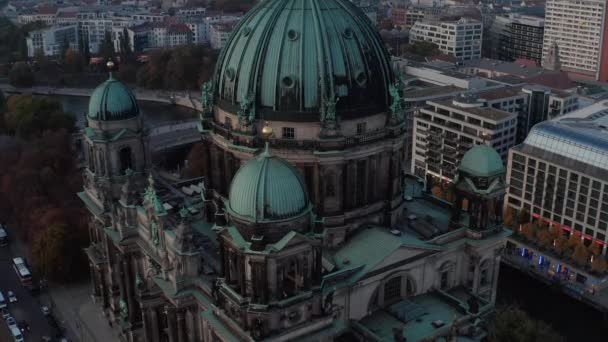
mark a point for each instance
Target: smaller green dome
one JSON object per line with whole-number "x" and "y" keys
{"x": 112, "y": 100}
{"x": 482, "y": 161}
{"x": 267, "y": 188}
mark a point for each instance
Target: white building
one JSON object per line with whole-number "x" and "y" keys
{"x": 445, "y": 130}
{"x": 461, "y": 39}
{"x": 170, "y": 34}
{"x": 45, "y": 14}
{"x": 220, "y": 32}
{"x": 51, "y": 41}
{"x": 577, "y": 27}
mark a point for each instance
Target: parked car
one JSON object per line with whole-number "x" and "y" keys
{"x": 10, "y": 321}
{"x": 16, "y": 334}
{"x": 24, "y": 326}
{"x": 46, "y": 310}
{"x": 12, "y": 298}
{"x": 5, "y": 314}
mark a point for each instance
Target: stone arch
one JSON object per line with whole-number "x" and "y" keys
{"x": 392, "y": 288}
{"x": 447, "y": 274}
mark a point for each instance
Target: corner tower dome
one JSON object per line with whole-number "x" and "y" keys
{"x": 482, "y": 161}
{"x": 267, "y": 189}
{"x": 289, "y": 55}
{"x": 112, "y": 100}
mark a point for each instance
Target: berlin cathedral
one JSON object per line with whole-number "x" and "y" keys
{"x": 305, "y": 225}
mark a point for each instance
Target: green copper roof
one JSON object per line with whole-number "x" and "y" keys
{"x": 482, "y": 161}
{"x": 112, "y": 100}
{"x": 267, "y": 188}
{"x": 291, "y": 54}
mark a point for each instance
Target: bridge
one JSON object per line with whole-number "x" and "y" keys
{"x": 174, "y": 135}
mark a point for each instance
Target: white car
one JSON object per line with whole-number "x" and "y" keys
{"x": 12, "y": 298}
{"x": 10, "y": 321}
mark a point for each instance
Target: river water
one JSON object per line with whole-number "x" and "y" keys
{"x": 155, "y": 113}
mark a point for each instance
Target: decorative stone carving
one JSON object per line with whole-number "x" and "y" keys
{"x": 154, "y": 228}
{"x": 206, "y": 99}
{"x": 124, "y": 309}
{"x": 329, "y": 119}
{"x": 396, "y": 108}
{"x": 246, "y": 113}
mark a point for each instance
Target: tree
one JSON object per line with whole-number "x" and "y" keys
{"x": 545, "y": 238}
{"x": 573, "y": 241}
{"x": 85, "y": 49}
{"x": 511, "y": 324}
{"x": 46, "y": 251}
{"x": 523, "y": 216}
{"x": 21, "y": 75}
{"x": 106, "y": 49}
{"x": 529, "y": 231}
{"x": 423, "y": 48}
{"x": 29, "y": 116}
{"x": 73, "y": 61}
{"x": 125, "y": 46}
{"x": 509, "y": 218}
{"x": 595, "y": 249}
{"x": 65, "y": 45}
{"x": 598, "y": 264}
{"x": 581, "y": 254}
{"x": 561, "y": 244}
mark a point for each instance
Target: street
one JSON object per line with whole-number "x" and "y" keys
{"x": 27, "y": 308}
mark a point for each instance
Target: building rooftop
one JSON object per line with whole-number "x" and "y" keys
{"x": 555, "y": 80}
{"x": 499, "y": 93}
{"x": 578, "y": 139}
{"x": 431, "y": 92}
{"x": 503, "y": 67}
{"x": 488, "y": 113}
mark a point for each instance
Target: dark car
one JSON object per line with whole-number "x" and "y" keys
{"x": 23, "y": 326}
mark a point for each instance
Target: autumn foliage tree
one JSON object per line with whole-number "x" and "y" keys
{"x": 598, "y": 264}
{"x": 38, "y": 182}
{"x": 581, "y": 254}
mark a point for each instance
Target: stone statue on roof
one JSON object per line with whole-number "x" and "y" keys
{"x": 396, "y": 107}
{"x": 124, "y": 309}
{"x": 155, "y": 237}
{"x": 207, "y": 98}
{"x": 246, "y": 113}
{"x": 329, "y": 118}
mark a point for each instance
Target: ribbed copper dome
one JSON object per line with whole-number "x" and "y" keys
{"x": 288, "y": 55}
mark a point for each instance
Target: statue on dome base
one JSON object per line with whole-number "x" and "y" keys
{"x": 396, "y": 108}
{"x": 329, "y": 120}
{"x": 246, "y": 113}
{"x": 206, "y": 99}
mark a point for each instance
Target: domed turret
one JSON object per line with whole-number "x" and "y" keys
{"x": 482, "y": 161}
{"x": 267, "y": 189}
{"x": 290, "y": 58}
{"x": 111, "y": 101}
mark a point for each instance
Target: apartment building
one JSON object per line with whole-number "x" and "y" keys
{"x": 50, "y": 41}
{"x": 445, "y": 130}
{"x": 560, "y": 172}
{"x": 220, "y": 32}
{"x": 461, "y": 38}
{"x": 579, "y": 29}
{"x": 524, "y": 39}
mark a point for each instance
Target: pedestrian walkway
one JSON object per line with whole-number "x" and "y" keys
{"x": 76, "y": 312}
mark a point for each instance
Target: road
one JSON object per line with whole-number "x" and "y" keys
{"x": 27, "y": 307}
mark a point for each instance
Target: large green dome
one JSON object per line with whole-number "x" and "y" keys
{"x": 267, "y": 188}
{"x": 482, "y": 161}
{"x": 288, "y": 55}
{"x": 112, "y": 100}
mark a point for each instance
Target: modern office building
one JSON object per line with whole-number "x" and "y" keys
{"x": 52, "y": 41}
{"x": 579, "y": 29}
{"x": 445, "y": 130}
{"x": 461, "y": 38}
{"x": 523, "y": 39}
{"x": 559, "y": 176}
{"x": 560, "y": 172}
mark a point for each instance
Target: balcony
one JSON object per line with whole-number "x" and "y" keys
{"x": 253, "y": 141}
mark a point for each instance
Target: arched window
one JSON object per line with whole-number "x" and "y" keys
{"x": 485, "y": 273}
{"x": 91, "y": 156}
{"x": 102, "y": 163}
{"x": 392, "y": 290}
{"x": 125, "y": 159}
{"x": 445, "y": 275}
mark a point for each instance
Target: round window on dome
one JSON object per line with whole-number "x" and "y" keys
{"x": 230, "y": 74}
{"x": 348, "y": 33}
{"x": 292, "y": 34}
{"x": 288, "y": 82}
{"x": 246, "y": 31}
{"x": 361, "y": 79}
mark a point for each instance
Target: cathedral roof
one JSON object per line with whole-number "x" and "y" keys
{"x": 267, "y": 188}
{"x": 482, "y": 161}
{"x": 289, "y": 55}
{"x": 112, "y": 100}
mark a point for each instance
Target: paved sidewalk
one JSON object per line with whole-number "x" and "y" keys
{"x": 76, "y": 312}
